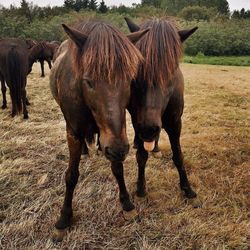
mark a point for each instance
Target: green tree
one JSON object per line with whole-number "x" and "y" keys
{"x": 236, "y": 14}
{"x": 92, "y": 5}
{"x": 223, "y": 7}
{"x": 25, "y": 10}
{"x": 81, "y": 4}
{"x": 198, "y": 13}
{"x": 69, "y": 4}
{"x": 155, "y": 3}
{"x": 103, "y": 7}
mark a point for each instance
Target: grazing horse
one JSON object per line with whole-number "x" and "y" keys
{"x": 14, "y": 67}
{"x": 90, "y": 81}
{"x": 157, "y": 95}
{"x": 43, "y": 51}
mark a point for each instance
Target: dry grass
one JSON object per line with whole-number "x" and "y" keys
{"x": 215, "y": 140}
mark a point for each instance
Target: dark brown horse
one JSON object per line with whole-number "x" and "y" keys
{"x": 157, "y": 95}
{"x": 14, "y": 68}
{"x": 90, "y": 80}
{"x": 43, "y": 51}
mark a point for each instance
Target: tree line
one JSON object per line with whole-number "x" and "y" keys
{"x": 218, "y": 34}
{"x": 186, "y": 9}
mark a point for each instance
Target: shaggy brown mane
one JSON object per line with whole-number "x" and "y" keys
{"x": 106, "y": 55}
{"x": 161, "y": 48}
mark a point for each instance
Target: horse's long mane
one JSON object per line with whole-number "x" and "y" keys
{"x": 106, "y": 55}
{"x": 161, "y": 48}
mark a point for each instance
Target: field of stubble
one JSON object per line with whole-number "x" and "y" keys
{"x": 216, "y": 144}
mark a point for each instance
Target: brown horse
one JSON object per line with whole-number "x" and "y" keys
{"x": 157, "y": 95}
{"x": 43, "y": 51}
{"x": 63, "y": 46}
{"x": 90, "y": 81}
{"x": 14, "y": 68}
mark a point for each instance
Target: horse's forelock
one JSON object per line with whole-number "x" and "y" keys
{"x": 161, "y": 49}
{"x": 107, "y": 54}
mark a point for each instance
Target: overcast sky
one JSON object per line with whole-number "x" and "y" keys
{"x": 234, "y": 4}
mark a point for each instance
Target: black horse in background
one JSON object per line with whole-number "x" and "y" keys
{"x": 14, "y": 68}
{"x": 43, "y": 51}
{"x": 157, "y": 95}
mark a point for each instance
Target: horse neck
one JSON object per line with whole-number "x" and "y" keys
{"x": 35, "y": 51}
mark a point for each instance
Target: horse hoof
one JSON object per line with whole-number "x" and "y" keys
{"x": 25, "y": 116}
{"x": 195, "y": 202}
{"x": 157, "y": 155}
{"x": 140, "y": 199}
{"x": 141, "y": 192}
{"x": 130, "y": 215}
{"x": 4, "y": 106}
{"x": 58, "y": 235}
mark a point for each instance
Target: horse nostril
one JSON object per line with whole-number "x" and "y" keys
{"x": 155, "y": 129}
{"x": 117, "y": 154}
{"x": 149, "y": 132}
{"x": 152, "y": 130}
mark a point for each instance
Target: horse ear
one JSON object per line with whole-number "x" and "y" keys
{"x": 76, "y": 36}
{"x": 185, "y": 34}
{"x": 131, "y": 25}
{"x": 136, "y": 36}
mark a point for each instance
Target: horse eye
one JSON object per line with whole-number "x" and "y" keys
{"x": 89, "y": 83}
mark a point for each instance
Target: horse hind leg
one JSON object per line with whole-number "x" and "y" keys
{"x": 85, "y": 150}
{"x": 14, "y": 107}
{"x": 24, "y": 99}
{"x": 27, "y": 102}
{"x": 3, "y": 87}
{"x": 71, "y": 178}
{"x": 49, "y": 63}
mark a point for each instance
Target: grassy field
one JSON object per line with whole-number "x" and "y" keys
{"x": 218, "y": 60}
{"x": 215, "y": 141}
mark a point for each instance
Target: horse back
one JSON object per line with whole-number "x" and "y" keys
{"x": 13, "y": 51}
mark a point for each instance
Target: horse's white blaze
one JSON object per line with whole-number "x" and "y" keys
{"x": 149, "y": 146}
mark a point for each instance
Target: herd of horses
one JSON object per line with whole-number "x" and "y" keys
{"x": 16, "y": 59}
{"x": 98, "y": 74}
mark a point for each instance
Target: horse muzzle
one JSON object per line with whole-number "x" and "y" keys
{"x": 117, "y": 153}
{"x": 148, "y": 133}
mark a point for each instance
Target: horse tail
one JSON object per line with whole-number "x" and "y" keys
{"x": 15, "y": 78}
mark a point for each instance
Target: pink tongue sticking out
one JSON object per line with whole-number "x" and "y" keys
{"x": 149, "y": 146}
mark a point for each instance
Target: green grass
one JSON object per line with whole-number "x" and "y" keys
{"x": 218, "y": 60}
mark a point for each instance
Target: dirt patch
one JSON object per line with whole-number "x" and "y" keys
{"x": 215, "y": 141}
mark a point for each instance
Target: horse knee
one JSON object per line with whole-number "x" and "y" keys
{"x": 71, "y": 179}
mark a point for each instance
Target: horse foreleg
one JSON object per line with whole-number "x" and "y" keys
{"x": 3, "y": 87}
{"x": 71, "y": 178}
{"x": 141, "y": 157}
{"x": 173, "y": 129}
{"x": 117, "y": 169}
{"x": 42, "y": 68}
